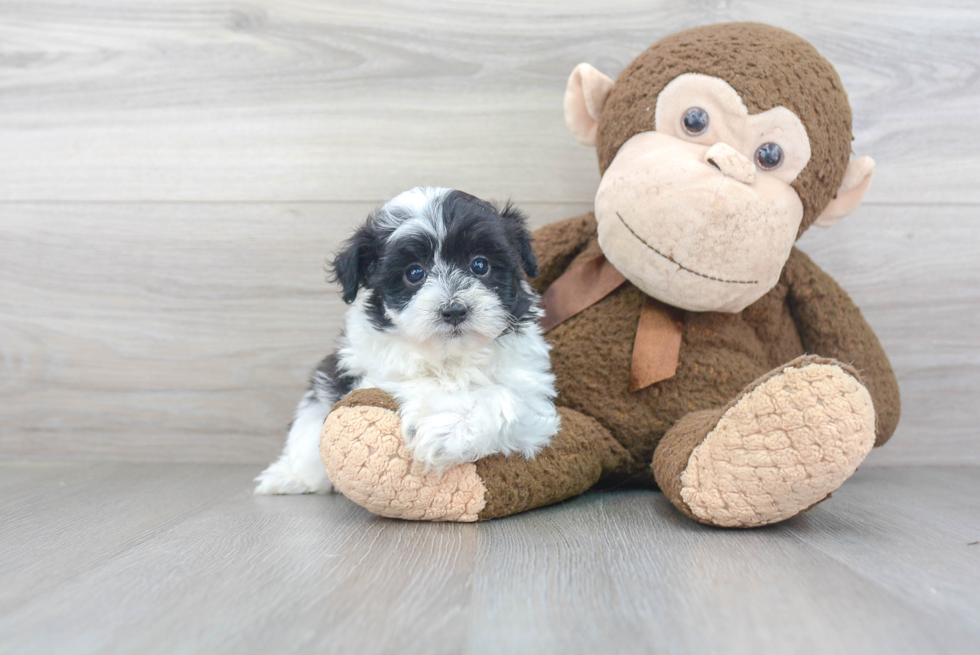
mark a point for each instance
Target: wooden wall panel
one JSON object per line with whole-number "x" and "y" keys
{"x": 186, "y": 331}
{"x": 347, "y": 100}
{"x": 173, "y": 174}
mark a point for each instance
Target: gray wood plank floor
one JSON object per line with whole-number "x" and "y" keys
{"x": 182, "y": 558}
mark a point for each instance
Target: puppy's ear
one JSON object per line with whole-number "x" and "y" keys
{"x": 520, "y": 236}
{"x": 353, "y": 264}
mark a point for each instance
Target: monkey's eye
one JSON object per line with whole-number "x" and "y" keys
{"x": 414, "y": 274}
{"x": 480, "y": 266}
{"x": 695, "y": 121}
{"x": 769, "y": 156}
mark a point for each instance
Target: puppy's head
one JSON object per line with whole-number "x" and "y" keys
{"x": 441, "y": 267}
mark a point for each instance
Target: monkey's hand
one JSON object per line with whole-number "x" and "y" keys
{"x": 366, "y": 459}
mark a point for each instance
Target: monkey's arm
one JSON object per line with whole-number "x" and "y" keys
{"x": 831, "y": 325}
{"x": 366, "y": 458}
{"x": 557, "y": 244}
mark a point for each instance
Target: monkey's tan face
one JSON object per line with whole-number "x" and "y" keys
{"x": 700, "y": 213}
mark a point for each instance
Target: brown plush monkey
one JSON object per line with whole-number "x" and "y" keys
{"x": 693, "y": 345}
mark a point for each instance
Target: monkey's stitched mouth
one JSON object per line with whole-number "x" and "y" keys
{"x": 677, "y": 263}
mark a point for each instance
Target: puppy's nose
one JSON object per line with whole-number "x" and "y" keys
{"x": 454, "y": 314}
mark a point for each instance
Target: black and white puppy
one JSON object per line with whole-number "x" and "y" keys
{"x": 443, "y": 319}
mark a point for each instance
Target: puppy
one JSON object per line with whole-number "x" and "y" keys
{"x": 443, "y": 319}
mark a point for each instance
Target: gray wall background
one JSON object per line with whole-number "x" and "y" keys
{"x": 173, "y": 174}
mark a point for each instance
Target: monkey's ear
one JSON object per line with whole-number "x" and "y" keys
{"x": 585, "y": 95}
{"x": 856, "y": 182}
{"x": 356, "y": 259}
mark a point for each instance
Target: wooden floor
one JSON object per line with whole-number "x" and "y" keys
{"x": 179, "y": 558}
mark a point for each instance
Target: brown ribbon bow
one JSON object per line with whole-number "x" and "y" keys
{"x": 658, "y": 335}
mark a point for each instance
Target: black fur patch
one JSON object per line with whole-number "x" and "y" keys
{"x": 476, "y": 227}
{"x": 375, "y": 310}
{"x": 473, "y": 227}
{"x": 336, "y": 380}
{"x": 357, "y": 258}
{"x": 413, "y": 248}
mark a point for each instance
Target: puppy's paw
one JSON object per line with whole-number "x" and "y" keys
{"x": 446, "y": 439}
{"x": 286, "y": 476}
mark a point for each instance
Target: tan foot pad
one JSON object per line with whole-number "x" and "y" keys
{"x": 781, "y": 448}
{"x": 366, "y": 459}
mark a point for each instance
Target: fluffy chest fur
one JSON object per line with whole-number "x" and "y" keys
{"x": 458, "y": 403}
{"x": 386, "y": 361}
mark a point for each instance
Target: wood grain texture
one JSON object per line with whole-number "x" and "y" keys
{"x": 911, "y": 271}
{"x": 341, "y": 100}
{"x": 882, "y": 567}
{"x": 186, "y": 331}
{"x": 166, "y": 331}
{"x": 173, "y": 175}
{"x": 56, "y": 511}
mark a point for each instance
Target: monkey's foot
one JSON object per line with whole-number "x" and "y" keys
{"x": 366, "y": 459}
{"x": 788, "y": 441}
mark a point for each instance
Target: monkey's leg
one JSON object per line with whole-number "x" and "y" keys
{"x": 782, "y": 446}
{"x": 366, "y": 459}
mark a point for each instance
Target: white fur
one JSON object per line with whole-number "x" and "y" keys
{"x": 422, "y": 203}
{"x": 460, "y": 399}
{"x": 299, "y": 469}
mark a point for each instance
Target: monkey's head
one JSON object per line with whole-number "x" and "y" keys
{"x": 718, "y": 147}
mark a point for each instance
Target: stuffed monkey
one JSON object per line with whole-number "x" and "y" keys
{"x": 694, "y": 346}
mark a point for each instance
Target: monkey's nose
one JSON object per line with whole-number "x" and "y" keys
{"x": 731, "y": 162}
{"x": 454, "y": 314}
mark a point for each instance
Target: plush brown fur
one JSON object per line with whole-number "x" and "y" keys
{"x": 769, "y": 67}
{"x": 581, "y": 454}
{"x": 611, "y": 435}
{"x": 368, "y": 398}
{"x": 721, "y": 354}
{"x": 675, "y": 451}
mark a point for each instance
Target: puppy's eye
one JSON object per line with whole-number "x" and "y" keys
{"x": 480, "y": 266}
{"x": 769, "y": 156}
{"x": 695, "y": 121}
{"x": 414, "y": 274}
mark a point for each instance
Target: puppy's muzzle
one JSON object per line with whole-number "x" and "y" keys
{"x": 454, "y": 314}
